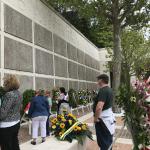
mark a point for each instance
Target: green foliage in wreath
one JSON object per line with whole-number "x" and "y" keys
{"x": 72, "y": 98}
{"x": 82, "y": 97}
{"x": 55, "y": 94}
{"x": 27, "y": 97}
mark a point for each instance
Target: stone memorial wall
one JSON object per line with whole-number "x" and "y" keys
{"x": 43, "y": 49}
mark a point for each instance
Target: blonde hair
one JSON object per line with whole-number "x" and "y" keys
{"x": 11, "y": 83}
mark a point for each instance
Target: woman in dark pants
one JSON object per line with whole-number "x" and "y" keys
{"x": 10, "y": 114}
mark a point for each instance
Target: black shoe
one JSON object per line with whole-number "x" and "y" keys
{"x": 33, "y": 142}
{"x": 43, "y": 141}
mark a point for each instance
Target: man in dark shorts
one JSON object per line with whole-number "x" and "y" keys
{"x": 103, "y": 116}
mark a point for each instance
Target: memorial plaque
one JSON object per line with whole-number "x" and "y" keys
{"x": 44, "y": 63}
{"x": 60, "y": 46}
{"x": 44, "y": 83}
{"x": 60, "y": 67}
{"x": 61, "y": 83}
{"x": 43, "y": 37}
{"x": 17, "y": 24}
{"x": 72, "y": 70}
{"x": 72, "y": 52}
{"x": 18, "y": 56}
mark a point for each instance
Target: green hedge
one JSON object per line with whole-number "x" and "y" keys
{"x": 72, "y": 98}
{"x": 75, "y": 97}
{"x": 55, "y": 92}
{"x": 27, "y": 97}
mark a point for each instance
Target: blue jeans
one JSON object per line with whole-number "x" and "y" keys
{"x": 104, "y": 138}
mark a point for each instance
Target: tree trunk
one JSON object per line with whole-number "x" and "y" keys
{"x": 125, "y": 75}
{"x": 117, "y": 61}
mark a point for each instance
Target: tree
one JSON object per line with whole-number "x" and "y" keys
{"x": 135, "y": 60}
{"x": 118, "y": 13}
{"x": 101, "y": 35}
{"x": 97, "y": 32}
{"x": 135, "y": 55}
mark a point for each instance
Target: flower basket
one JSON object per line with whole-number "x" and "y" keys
{"x": 67, "y": 128}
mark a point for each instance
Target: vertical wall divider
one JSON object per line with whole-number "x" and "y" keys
{"x": 34, "y": 55}
{"x": 53, "y": 59}
{"x": 2, "y": 41}
{"x": 67, "y": 64}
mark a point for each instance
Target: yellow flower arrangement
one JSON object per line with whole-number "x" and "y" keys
{"x": 59, "y": 116}
{"x": 63, "y": 120}
{"x": 60, "y": 133}
{"x": 53, "y": 127}
{"x": 84, "y": 127}
{"x": 79, "y": 128}
{"x": 71, "y": 115}
{"x": 70, "y": 122}
{"x": 62, "y": 125}
{"x": 75, "y": 128}
{"x": 54, "y": 121}
{"x": 67, "y": 127}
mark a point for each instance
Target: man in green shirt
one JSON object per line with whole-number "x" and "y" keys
{"x": 103, "y": 116}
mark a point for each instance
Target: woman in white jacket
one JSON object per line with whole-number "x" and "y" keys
{"x": 63, "y": 104}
